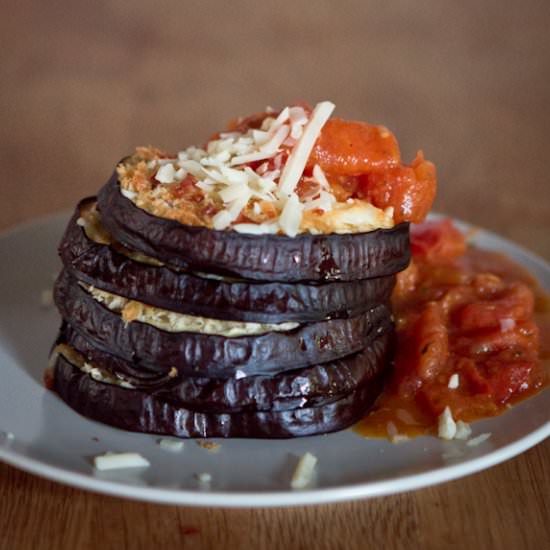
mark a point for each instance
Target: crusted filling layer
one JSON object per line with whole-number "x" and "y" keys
{"x": 170, "y": 321}
{"x": 90, "y": 222}
{"x": 97, "y": 373}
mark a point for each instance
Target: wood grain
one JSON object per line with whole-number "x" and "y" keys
{"x": 469, "y": 82}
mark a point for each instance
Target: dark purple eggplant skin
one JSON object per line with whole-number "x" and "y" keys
{"x": 211, "y": 355}
{"x": 139, "y": 411}
{"x": 301, "y": 388}
{"x": 106, "y": 268}
{"x": 306, "y": 257}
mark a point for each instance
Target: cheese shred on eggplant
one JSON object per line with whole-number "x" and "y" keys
{"x": 170, "y": 321}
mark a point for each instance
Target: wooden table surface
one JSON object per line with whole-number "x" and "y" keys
{"x": 469, "y": 82}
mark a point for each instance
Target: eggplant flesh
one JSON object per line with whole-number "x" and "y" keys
{"x": 141, "y": 412}
{"x": 211, "y": 355}
{"x": 110, "y": 269}
{"x": 306, "y": 257}
{"x": 300, "y": 388}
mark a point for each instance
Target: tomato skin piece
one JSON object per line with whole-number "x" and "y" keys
{"x": 437, "y": 241}
{"x": 423, "y": 349}
{"x": 410, "y": 190}
{"x": 432, "y": 341}
{"x": 455, "y": 298}
{"x": 469, "y": 373}
{"x": 507, "y": 379}
{"x": 483, "y": 341}
{"x": 351, "y": 148}
{"x": 186, "y": 189}
{"x": 516, "y": 303}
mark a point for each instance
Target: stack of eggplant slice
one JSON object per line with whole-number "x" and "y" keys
{"x": 190, "y": 331}
{"x": 306, "y": 354}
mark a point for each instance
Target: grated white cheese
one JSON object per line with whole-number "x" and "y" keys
{"x": 324, "y": 202}
{"x": 463, "y": 430}
{"x": 162, "y": 162}
{"x": 102, "y": 375}
{"x": 304, "y": 473}
{"x": 204, "y": 478}
{"x": 454, "y": 381}
{"x": 126, "y": 193}
{"x": 266, "y": 151}
{"x": 446, "y": 426}
{"x": 166, "y": 173}
{"x": 297, "y": 160}
{"x": 239, "y": 373}
{"x": 221, "y": 220}
{"x": 320, "y": 177}
{"x": 256, "y": 228}
{"x": 291, "y": 215}
{"x": 449, "y": 429}
{"x": 478, "y": 440}
{"x": 180, "y": 174}
{"x": 298, "y": 119}
{"x": 173, "y": 445}
{"x": 282, "y": 117}
{"x": 115, "y": 461}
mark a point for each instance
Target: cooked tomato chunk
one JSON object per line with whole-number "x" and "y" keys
{"x": 435, "y": 241}
{"x": 515, "y": 303}
{"x": 350, "y": 148}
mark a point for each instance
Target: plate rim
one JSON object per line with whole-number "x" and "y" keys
{"x": 288, "y": 497}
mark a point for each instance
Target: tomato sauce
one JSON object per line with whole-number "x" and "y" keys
{"x": 467, "y": 312}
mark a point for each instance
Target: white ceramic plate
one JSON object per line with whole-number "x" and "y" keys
{"x": 53, "y": 441}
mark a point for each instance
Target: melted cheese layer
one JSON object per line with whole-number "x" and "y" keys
{"x": 171, "y": 321}
{"x": 91, "y": 224}
{"x": 77, "y": 360}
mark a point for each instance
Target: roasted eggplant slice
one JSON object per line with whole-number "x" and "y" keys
{"x": 211, "y": 355}
{"x": 108, "y": 267}
{"x": 301, "y": 388}
{"x": 139, "y": 411}
{"x": 306, "y": 257}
